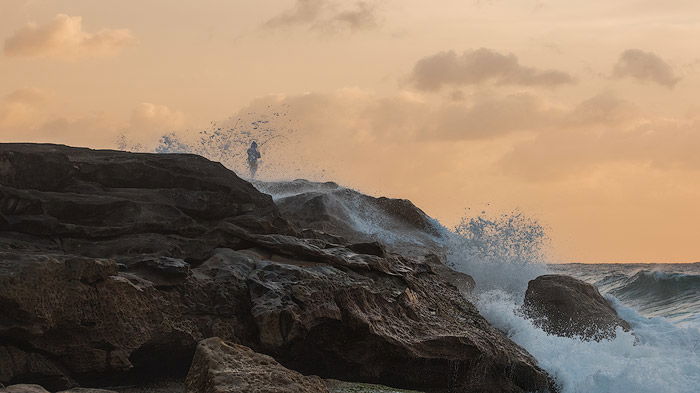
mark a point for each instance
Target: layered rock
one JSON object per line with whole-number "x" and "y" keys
{"x": 114, "y": 265}
{"x": 568, "y": 307}
{"x": 223, "y": 367}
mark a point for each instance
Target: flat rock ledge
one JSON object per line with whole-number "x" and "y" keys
{"x": 568, "y": 307}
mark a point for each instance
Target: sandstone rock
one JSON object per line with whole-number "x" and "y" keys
{"x": 222, "y": 367}
{"x": 27, "y": 367}
{"x": 24, "y": 388}
{"x": 566, "y": 306}
{"x": 353, "y": 387}
{"x": 114, "y": 265}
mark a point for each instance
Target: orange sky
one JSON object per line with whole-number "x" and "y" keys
{"x": 584, "y": 115}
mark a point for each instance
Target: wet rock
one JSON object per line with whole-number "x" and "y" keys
{"x": 221, "y": 367}
{"x": 369, "y": 248}
{"x": 566, "y": 306}
{"x": 356, "y": 217}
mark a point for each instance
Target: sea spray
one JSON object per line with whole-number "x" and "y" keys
{"x": 502, "y": 252}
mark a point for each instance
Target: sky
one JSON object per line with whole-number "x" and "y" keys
{"x": 581, "y": 114}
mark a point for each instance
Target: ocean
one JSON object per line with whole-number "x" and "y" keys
{"x": 670, "y": 291}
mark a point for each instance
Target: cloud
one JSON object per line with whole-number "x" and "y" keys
{"x": 63, "y": 37}
{"x": 25, "y": 115}
{"x": 493, "y": 116}
{"x": 22, "y": 106}
{"x": 657, "y": 143}
{"x": 540, "y": 140}
{"x": 478, "y": 66}
{"x": 602, "y": 109}
{"x": 645, "y": 67}
{"x": 408, "y": 117}
{"x": 153, "y": 118}
{"x": 327, "y": 16}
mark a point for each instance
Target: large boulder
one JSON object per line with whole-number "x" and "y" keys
{"x": 224, "y": 367}
{"x": 567, "y": 306}
{"x": 114, "y": 265}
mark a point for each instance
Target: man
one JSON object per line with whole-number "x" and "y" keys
{"x": 253, "y": 156}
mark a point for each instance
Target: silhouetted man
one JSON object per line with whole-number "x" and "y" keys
{"x": 253, "y": 157}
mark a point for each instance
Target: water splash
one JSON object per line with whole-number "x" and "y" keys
{"x": 226, "y": 142}
{"x": 503, "y": 252}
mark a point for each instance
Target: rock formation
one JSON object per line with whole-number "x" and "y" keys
{"x": 566, "y": 306}
{"x": 114, "y": 265}
{"x": 222, "y": 367}
{"x": 23, "y": 388}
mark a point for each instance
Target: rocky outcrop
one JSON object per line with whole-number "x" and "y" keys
{"x": 224, "y": 367}
{"x": 566, "y": 306}
{"x": 114, "y": 265}
{"x": 23, "y": 388}
{"x": 328, "y": 209}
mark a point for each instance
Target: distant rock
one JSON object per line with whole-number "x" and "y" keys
{"x": 224, "y": 367}
{"x": 566, "y": 306}
{"x": 114, "y": 265}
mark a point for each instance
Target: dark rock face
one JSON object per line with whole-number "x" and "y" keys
{"x": 566, "y": 306}
{"x": 114, "y": 265}
{"x": 110, "y": 203}
{"x": 223, "y": 367}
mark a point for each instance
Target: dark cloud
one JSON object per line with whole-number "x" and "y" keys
{"x": 645, "y": 67}
{"x": 327, "y": 16}
{"x": 479, "y": 66}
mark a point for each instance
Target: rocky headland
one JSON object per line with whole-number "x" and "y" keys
{"x": 121, "y": 268}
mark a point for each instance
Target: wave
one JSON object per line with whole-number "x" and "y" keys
{"x": 667, "y": 294}
{"x": 658, "y": 284}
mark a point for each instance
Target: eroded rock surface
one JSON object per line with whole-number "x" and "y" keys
{"x": 224, "y": 367}
{"x": 567, "y": 306}
{"x": 23, "y": 388}
{"x": 114, "y": 265}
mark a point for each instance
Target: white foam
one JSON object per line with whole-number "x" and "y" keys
{"x": 661, "y": 358}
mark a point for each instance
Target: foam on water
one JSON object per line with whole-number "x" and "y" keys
{"x": 659, "y": 357}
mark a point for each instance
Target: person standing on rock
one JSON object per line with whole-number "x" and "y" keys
{"x": 253, "y": 157}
